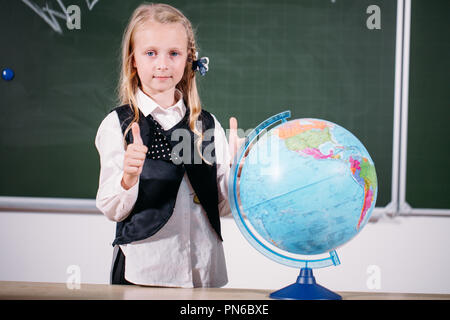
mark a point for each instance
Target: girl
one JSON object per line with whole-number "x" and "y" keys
{"x": 167, "y": 211}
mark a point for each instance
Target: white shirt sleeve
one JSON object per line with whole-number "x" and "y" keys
{"x": 223, "y": 162}
{"x": 112, "y": 199}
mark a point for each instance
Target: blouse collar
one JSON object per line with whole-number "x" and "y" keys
{"x": 147, "y": 105}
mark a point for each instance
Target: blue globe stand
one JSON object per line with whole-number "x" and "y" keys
{"x": 305, "y": 288}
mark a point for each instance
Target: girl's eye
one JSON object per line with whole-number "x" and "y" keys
{"x": 174, "y": 54}
{"x": 151, "y": 53}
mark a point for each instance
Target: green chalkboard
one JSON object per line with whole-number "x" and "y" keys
{"x": 428, "y": 172}
{"x": 316, "y": 58}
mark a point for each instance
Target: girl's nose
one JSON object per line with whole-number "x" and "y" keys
{"x": 162, "y": 63}
{"x": 162, "y": 67}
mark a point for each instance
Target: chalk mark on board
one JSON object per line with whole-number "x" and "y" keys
{"x": 91, "y": 4}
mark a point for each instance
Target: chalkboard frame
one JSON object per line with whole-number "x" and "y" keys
{"x": 404, "y": 208}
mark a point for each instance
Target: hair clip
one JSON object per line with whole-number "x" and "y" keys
{"x": 201, "y": 64}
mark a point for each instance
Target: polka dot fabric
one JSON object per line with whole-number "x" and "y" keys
{"x": 159, "y": 148}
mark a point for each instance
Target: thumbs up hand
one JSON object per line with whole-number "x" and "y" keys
{"x": 134, "y": 159}
{"x": 136, "y": 132}
{"x": 235, "y": 142}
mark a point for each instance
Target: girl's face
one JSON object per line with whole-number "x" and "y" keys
{"x": 160, "y": 54}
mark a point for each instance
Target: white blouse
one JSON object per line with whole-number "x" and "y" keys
{"x": 186, "y": 251}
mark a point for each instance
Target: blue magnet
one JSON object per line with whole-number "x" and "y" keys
{"x": 7, "y": 74}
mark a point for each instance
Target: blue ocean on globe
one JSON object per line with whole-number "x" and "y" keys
{"x": 307, "y": 186}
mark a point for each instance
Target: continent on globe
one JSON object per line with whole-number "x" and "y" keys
{"x": 365, "y": 174}
{"x": 306, "y": 137}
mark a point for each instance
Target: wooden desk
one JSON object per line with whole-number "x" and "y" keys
{"x": 59, "y": 291}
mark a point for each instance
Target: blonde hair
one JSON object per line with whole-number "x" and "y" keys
{"x": 129, "y": 79}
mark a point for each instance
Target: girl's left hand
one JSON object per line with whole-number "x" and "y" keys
{"x": 235, "y": 142}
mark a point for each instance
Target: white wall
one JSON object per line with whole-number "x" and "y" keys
{"x": 411, "y": 252}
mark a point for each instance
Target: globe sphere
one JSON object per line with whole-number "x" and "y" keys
{"x": 307, "y": 186}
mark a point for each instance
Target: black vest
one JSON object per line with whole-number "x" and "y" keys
{"x": 160, "y": 179}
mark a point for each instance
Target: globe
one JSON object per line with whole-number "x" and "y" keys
{"x": 301, "y": 188}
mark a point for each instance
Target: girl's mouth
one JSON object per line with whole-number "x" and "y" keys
{"x": 162, "y": 77}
